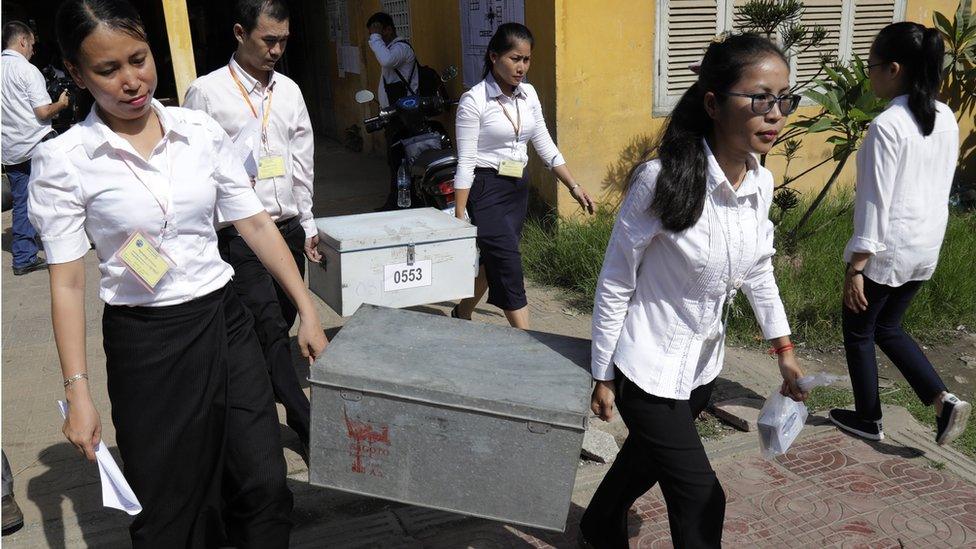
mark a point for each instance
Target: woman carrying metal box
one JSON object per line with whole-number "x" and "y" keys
{"x": 192, "y": 406}
{"x": 495, "y": 121}
{"x": 693, "y": 230}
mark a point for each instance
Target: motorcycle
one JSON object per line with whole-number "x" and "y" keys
{"x": 423, "y": 144}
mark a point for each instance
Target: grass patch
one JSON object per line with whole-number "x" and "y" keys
{"x": 825, "y": 398}
{"x": 568, "y": 253}
{"x": 710, "y": 427}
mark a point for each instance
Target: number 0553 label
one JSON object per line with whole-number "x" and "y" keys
{"x": 402, "y": 276}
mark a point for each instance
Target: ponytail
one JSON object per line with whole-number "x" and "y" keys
{"x": 679, "y": 198}
{"x": 919, "y": 51}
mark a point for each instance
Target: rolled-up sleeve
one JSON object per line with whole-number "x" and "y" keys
{"x": 633, "y": 231}
{"x": 235, "y": 197}
{"x": 545, "y": 147}
{"x": 56, "y": 205}
{"x": 468, "y": 126}
{"x": 877, "y": 162}
{"x": 760, "y": 283}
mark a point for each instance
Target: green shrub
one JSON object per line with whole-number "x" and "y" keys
{"x": 569, "y": 254}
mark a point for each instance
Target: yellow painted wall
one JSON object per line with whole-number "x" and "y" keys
{"x": 604, "y": 57}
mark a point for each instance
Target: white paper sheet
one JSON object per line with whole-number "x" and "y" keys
{"x": 116, "y": 492}
{"x": 478, "y": 23}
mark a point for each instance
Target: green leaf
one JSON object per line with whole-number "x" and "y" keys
{"x": 942, "y": 23}
{"x": 821, "y": 125}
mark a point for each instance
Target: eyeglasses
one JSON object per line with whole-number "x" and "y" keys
{"x": 762, "y": 103}
{"x": 872, "y": 65}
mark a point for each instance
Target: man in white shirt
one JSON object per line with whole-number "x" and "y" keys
{"x": 27, "y": 114}
{"x": 265, "y": 114}
{"x": 399, "y": 77}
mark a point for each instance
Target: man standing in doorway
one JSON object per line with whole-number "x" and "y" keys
{"x": 398, "y": 78}
{"x": 27, "y": 114}
{"x": 264, "y": 113}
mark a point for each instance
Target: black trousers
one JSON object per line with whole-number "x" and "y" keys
{"x": 498, "y": 206}
{"x": 274, "y": 314}
{"x": 881, "y": 324}
{"x": 661, "y": 447}
{"x": 195, "y": 425}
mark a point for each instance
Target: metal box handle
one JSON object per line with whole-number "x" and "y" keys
{"x": 538, "y": 428}
{"x": 354, "y": 396}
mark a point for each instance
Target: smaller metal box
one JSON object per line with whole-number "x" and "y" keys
{"x": 394, "y": 259}
{"x": 451, "y": 414}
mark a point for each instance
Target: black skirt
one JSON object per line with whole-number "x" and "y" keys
{"x": 177, "y": 379}
{"x": 498, "y": 205}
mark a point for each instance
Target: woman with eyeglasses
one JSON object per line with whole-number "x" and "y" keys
{"x": 904, "y": 172}
{"x": 693, "y": 230}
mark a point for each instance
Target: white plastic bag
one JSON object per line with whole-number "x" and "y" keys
{"x": 782, "y": 418}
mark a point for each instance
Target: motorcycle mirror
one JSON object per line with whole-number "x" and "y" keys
{"x": 450, "y": 73}
{"x": 364, "y": 96}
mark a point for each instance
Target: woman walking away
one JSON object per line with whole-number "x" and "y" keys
{"x": 693, "y": 230}
{"x": 191, "y": 399}
{"x": 495, "y": 121}
{"x": 904, "y": 173}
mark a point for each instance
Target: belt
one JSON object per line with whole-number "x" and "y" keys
{"x": 231, "y": 231}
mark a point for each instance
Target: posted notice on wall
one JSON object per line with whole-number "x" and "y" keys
{"x": 479, "y": 19}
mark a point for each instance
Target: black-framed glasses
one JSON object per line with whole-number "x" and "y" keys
{"x": 873, "y": 65}
{"x": 762, "y": 103}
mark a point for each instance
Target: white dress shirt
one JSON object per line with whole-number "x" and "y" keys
{"x": 89, "y": 183}
{"x": 23, "y": 90}
{"x": 398, "y": 55}
{"x": 901, "y": 207}
{"x": 661, "y": 296}
{"x": 289, "y": 135}
{"x": 486, "y": 136}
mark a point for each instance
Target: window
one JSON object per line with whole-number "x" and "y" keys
{"x": 685, "y": 27}
{"x": 399, "y": 10}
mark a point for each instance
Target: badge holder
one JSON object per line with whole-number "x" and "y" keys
{"x": 144, "y": 260}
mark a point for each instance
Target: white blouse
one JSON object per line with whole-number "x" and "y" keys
{"x": 661, "y": 295}
{"x": 89, "y": 183}
{"x": 902, "y": 203}
{"x": 486, "y": 136}
{"x": 289, "y": 135}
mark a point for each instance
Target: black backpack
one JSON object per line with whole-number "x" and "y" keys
{"x": 428, "y": 82}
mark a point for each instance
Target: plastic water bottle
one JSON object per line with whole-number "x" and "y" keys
{"x": 403, "y": 186}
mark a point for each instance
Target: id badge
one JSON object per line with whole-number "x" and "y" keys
{"x": 143, "y": 259}
{"x": 271, "y": 165}
{"x": 511, "y": 168}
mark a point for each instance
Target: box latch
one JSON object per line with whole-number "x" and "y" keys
{"x": 538, "y": 428}
{"x": 411, "y": 254}
{"x": 354, "y": 396}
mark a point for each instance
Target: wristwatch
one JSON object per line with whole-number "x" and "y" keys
{"x": 854, "y": 272}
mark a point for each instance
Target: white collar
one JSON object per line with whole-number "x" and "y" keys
{"x": 716, "y": 176}
{"x": 250, "y": 83}
{"x": 103, "y": 137}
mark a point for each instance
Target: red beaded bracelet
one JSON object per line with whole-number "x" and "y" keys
{"x": 781, "y": 350}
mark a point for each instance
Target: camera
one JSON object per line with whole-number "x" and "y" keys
{"x": 58, "y": 82}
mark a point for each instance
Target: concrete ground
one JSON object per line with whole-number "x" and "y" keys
{"x": 830, "y": 490}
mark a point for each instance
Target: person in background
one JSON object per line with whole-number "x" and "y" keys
{"x": 399, "y": 77}
{"x": 904, "y": 174}
{"x": 192, "y": 404}
{"x": 27, "y": 114}
{"x": 495, "y": 121}
{"x": 264, "y": 113}
{"x": 693, "y": 230}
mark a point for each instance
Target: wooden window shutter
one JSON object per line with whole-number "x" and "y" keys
{"x": 684, "y": 30}
{"x": 828, "y": 14}
{"x": 870, "y": 16}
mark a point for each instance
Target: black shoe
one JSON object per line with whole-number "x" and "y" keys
{"x": 952, "y": 422}
{"x": 848, "y": 421}
{"x": 13, "y": 518}
{"x": 454, "y": 312}
{"x": 35, "y": 265}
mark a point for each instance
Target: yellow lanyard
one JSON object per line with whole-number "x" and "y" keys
{"x": 247, "y": 99}
{"x": 515, "y": 126}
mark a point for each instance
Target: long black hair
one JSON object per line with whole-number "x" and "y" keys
{"x": 919, "y": 50}
{"x": 76, "y": 19}
{"x": 504, "y": 40}
{"x": 679, "y": 197}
